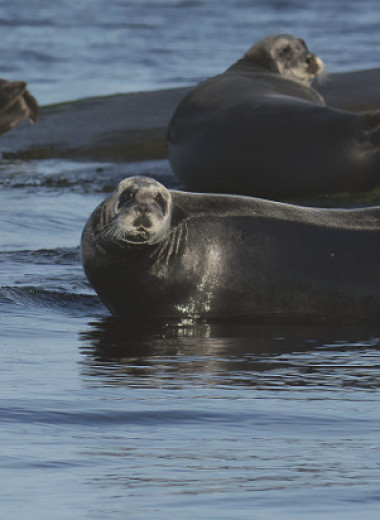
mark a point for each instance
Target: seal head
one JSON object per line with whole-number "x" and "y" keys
{"x": 283, "y": 54}
{"x": 139, "y": 212}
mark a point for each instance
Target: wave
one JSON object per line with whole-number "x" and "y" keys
{"x": 76, "y": 304}
{"x": 54, "y": 279}
{"x": 60, "y": 256}
{"x": 115, "y": 417}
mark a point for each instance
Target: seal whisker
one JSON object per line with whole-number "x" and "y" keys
{"x": 112, "y": 231}
{"x": 323, "y": 75}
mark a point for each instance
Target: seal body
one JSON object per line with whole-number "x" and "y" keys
{"x": 211, "y": 256}
{"x": 260, "y": 129}
{"x": 16, "y": 104}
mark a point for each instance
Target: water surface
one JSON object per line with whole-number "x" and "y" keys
{"x": 102, "y": 419}
{"x": 99, "y": 417}
{"x": 68, "y": 50}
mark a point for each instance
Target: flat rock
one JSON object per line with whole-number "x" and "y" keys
{"x": 132, "y": 127}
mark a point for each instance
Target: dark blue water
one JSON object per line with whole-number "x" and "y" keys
{"x": 73, "y": 49}
{"x": 103, "y": 420}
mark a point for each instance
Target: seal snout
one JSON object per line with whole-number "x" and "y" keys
{"x": 142, "y": 219}
{"x": 314, "y": 64}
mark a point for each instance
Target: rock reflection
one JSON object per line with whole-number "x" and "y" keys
{"x": 236, "y": 354}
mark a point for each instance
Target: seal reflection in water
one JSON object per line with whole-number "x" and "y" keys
{"x": 260, "y": 129}
{"x": 16, "y": 104}
{"x": 152, "y": 252}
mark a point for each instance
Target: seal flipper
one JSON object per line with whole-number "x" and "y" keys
{"x": 372, "y": 128}
{"x": 10, "y": 92}
{"x": 16, "y": 104}
{"x": 32, "y": 105}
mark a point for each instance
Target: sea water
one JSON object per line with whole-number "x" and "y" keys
{"x": 99, "y": 419}
{"x": 70, "y": 49}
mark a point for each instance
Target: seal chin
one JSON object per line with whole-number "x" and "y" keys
{"x": 139, "y": 235}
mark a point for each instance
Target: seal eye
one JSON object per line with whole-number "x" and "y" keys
{"x": 160, "y": 201}
{"x": 125, "y": 196}
{"x": 285, "y": 50}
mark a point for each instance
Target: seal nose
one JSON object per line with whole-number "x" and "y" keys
{"x": 142, "y": 220}
{"x": 141, "y": 209}
{"x": 312, "y": 63}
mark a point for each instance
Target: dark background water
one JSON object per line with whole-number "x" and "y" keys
{"x": 73, "y": 49}
{"x": 102, "y": 420}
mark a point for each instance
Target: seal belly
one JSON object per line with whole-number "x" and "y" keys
{"x": 242, "y": 267}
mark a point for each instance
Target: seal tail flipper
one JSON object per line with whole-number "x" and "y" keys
{"x": 32, "y": 105}
{"x": 16, "y": 104}
{"x": 10, "y": 92}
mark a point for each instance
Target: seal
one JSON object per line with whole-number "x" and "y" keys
{"x": 260, "y": 129}
{"x": 150, "y": 252}
{"x": 16, "y": 104}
